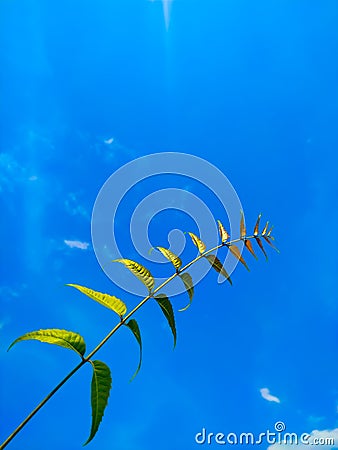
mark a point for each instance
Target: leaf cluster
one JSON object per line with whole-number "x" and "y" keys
{"x": 101, "y": 379}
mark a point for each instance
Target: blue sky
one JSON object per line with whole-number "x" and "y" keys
{"x": 252, "y": 88}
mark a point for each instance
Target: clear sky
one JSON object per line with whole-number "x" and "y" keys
{"x": 250, "y": 86}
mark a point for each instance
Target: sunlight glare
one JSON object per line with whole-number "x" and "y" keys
{"x": 166, "y": 5}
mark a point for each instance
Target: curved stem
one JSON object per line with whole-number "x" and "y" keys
{"x": 109, "y": 335}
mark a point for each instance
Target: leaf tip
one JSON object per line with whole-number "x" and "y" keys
{"x": 185, "y": 308}
{"x": 10, "y": 346}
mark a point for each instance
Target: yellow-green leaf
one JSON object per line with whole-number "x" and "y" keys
{"x": 236, "y": 252}
{"x": 269, "y": 232}
{"x": 197, "y": 241}
{"x": 248, "y": 245}
{"x": 259, "y": 242}
{"x": 188, "y": 283}
{"x": 268, "y": 240}
{"x": 62, "y": 338}
{"x": 133, "y": 326}
{"x": 168, "y": 312}
{"x": 100, "y": 389}
{"x": 217, "y": 265}
{"x": 174, "y": 259}
{"x": 109, "y": 301}
{"x": 256, "y": 230}
{"x": 265, "y": 228}
{"x": 222, "y": 232}
{"x": 139, "y": 271}
{"x": 242, "y": 227}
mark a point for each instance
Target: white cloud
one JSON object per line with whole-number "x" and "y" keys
{"x": 109, "y": 141}
{"x": 323, "y": 439}
{"x": 265, "y": 393}
{"x": 77, "y": 244}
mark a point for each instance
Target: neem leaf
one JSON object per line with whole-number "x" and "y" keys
{"x": 236, "y": 252}
{"x": 62, "y": 338}
{"x": 256, "y": 229}
{"x": 197, "y": 241}
{"x": 174, "y": 259}
{"x": 217, "y": 265}
{"x": 259, "y": 242}
{"x": 222, "y": 232}
{"x": 269, "y": 232}
{"x": 100, "y": 389}
{"x": 139, "y": 271}
{"x": 168, "y": 312}
{"x": 188, "y": 283}
{"x": 265, "y": 228}
{"x": 248, "y": 245}
{"x": 133, "y": 326}
{"x": 268, "y": 240}
{"x": 109, "y": 301}
{"x": 242, "y": 226}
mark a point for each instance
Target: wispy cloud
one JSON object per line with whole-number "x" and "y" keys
{"x": 9, "y": 297}
{"x": 13, "y": 173}
{"x": 10, "y": 172}
{"x": 77, "y": 244}
{"x": 110, "y": 148}
{"x": 73, "y": 206}
{"x": 265, "y": 393}
{"x": 7, "y": 292}
{"x": 325, "y": 439}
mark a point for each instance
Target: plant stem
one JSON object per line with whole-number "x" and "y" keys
{"x": 109, "y": 335}
{"x": 40, "y": 405}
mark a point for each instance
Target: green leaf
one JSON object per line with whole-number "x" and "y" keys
{"x": 109, "y": 301}
{"x": 133, "y": 326}
{"x": 168, "y": 311}
{"x": 256, "y": 229}
{"x": 139, "y": 271}
{"x": 188, "y": 283}
{"x": 198, "y": 242}
{"x": 100, "y": 389}
{"x": 265, "y": 229}
{"x": 62, "y": 338}
{"x": 174, "y": 259}
{"x": 222, "y": 232}
{"x": 270, "y": 231}
{"x": 217, "y": 265}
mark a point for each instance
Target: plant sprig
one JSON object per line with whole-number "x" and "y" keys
{"x": 101, "y": 379}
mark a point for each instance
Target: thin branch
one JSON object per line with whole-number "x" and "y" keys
{"x": 111, "y": 333}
